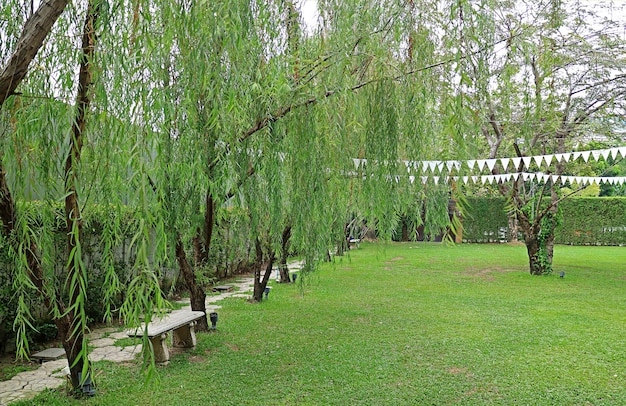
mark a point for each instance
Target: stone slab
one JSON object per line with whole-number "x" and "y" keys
{"x": 49, "y": 354}
{"x": 222, "y": 288}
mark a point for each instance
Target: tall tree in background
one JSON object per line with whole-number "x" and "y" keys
{"x": 559, "y": 76}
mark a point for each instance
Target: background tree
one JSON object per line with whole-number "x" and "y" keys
{"x": 558, "y": 76}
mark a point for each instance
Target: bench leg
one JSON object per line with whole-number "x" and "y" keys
{"x": 159, "y": 346}
{"x": 185, "y": 336}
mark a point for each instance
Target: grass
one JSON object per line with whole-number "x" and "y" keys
{"x": 407, "y": 324}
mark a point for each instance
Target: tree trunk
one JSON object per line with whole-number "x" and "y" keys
{"x": 284, "y": 254}
{"x": 196, "y": 292}
{"x": 260, "y": 281}
{"x": 73, "y": 338}
{"x": 35, "y": 31}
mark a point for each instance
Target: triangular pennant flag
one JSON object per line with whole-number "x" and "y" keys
{"x": 526, "y": 160}
{"x": 548, "y": 159}
{"x": 436, "y": 179}
{"x": 614, "y": 152}
{"x": 440, "y": 166}
{"x": 516, "y": 162}
{"x": 516, "y": 176}
{"x": 505, "y": 163}
{"x": 596, "y": 155}
{"x": 507, "y": 177}
{"x": 558, "y": 157}
{"x": 449, "y": 165}
{"x": 357, "y": 163}
{"x": 578, "y": 179}
{"x": 424, "y": 179}
{"x": 490, "y": 179}
{"x": 491, "y": 163}
{"x": 411, "y": 179}
{"x": 409, "y": 165}
{"x": 480, "y": 163}
{"x": 585, "y": 155}
{"x": 554, "y": 178}
{"x": 538, "y": 159}
{"x": 475, "y": 179}
{"x": 575, "y": 155}
{"x": 622, "y": 150}
{"x": 606, "y": 153}
{"x": 465, "y": 179}
{"x": 432, "y": 165}
{"x": 566, "y": 156}
{"x": 525, "y": 176}
{"x": 471, "y": 163}
{"x": 564, "y": 179}
{"x": 483, "y": 179}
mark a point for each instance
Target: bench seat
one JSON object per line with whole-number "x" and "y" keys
{"x": 180, "y": 323}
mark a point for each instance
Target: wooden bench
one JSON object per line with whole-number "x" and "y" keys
{"x": 180, "y": 323}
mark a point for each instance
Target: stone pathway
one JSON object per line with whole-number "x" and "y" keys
{"x": 53, "y": 374}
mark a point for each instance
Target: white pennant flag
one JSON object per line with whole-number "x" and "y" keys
{"x": 424, "y": 179}
{"x": 516, "y": 162}
{"x": 606, "y": 153}
{"x": 411, "y": 179}
{"x": 578, "y": 179}
{"x": 480, "y": 163}
{"x": 622, "y": 150}
{"x": 471, "y": 163}
{"x": 357, "y": 163}
{"x": 516, "y": 176}
{"x": 408, "y": 164}
{"x": 505, "y": 163}
{"x": 449, "y": 165}
{"x": 507, "y": 177}
{"x": 554, "y": 178}
{"x": 548, "y": 159}
{"x": 491, "y": 163}
{"x": 567, "y": 156}
{"x": 558, "y": 157}
{"x": 564, "y": 179}
{"x": 585, "y": 155}
{"x": 596, "y": 155}
{"x": 525, "y": 176}
{"x": 576, "y": 154}
{"x": 538, "y": 159}
{"x": 490, "y": 179}
{"x": 475, "y": 179}
{"x": 621, "y": 180}
{"x": 526, "y": 160}
{"x": 432, "y": 165}
{"x": 436, "y": 179}
{"x": 483, "y": 179}
{"x": 465, "y": 179}
{"x": 614, "y": 152}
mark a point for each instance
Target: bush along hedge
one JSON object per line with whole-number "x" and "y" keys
{"x": 585, "y": 221}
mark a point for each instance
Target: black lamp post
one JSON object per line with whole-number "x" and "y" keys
{"x": 213, "y": 318}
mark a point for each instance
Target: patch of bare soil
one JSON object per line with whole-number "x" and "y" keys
{"x": 232, "y": 346}
{"x": 486, "y": 274}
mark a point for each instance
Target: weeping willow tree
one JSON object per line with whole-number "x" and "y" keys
{"x": 233, "y": 107}
{"x": 59, "y": 147}
{"x": 550, "y": 73}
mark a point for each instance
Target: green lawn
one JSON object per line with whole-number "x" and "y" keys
{"x": 408, "y": 324}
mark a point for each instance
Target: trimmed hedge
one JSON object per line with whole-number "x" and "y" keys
{"x": 593, "y": 221}
{"x": 485, "y": 220}
{"x": 585, "y": 221}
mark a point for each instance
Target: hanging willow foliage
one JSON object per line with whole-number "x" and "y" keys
{"x": 199, "y": 109}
